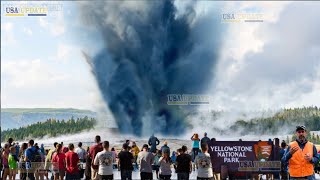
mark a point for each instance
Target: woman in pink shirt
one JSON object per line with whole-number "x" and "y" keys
{"x": 59, "y": 163}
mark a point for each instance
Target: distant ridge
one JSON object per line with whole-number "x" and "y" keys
{"x": 19, "y": 117}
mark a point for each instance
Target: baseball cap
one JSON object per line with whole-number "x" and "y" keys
{"x": 300, "y": 127}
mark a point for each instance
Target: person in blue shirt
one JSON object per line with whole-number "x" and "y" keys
{"x": 29, "y": 153}
{"x": 284, "y": 166}
{"x": 165, "y": 147}
{"x": 173, "y": 157}
{"x": 42, "y": 149}
{"x": 195, "y": 145}
{"x": 17, "y": 149}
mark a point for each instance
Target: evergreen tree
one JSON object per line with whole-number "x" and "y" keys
{"x": 50, "y": 127}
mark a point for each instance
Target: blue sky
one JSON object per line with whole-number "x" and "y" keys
{"x": 41, "y": 60}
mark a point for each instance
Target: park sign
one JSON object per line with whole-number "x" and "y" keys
{"x": 244, "y": 156}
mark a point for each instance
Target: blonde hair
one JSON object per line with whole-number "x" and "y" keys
{"x": 58, "y": 148}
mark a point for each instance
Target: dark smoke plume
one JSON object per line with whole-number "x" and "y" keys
{"x": 151, "y": 50}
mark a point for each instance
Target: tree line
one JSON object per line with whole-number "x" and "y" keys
{"x": 283, "y": 121}
{"x": 50, "y": 127}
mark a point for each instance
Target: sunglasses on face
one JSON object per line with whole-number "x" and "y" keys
{"x": 302, "y": 131}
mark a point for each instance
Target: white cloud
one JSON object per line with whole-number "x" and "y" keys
{"x": 63, "y": 51}
{"x": 242, "y": 38}
{"x": 27, "y": 31}
{"x": 45, "y": 83}
{"x": 271, "y": 64}
{"x": 7, "y": 35}
{"x": 66, "y": 52}
{"x": 7, "y": 26}
{"x": 57, "y": 30}
{"x": 43, "y": 22}
{"x": 55, "y": 25}
{"x": 30, "y": 74}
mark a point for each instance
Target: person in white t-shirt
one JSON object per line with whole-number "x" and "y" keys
{"x": 105, "y": 161}
{"x": 203, "y": 162}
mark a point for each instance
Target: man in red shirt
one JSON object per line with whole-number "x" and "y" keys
{"x": 92, "y": 153}
{"x": 72, "y": 160}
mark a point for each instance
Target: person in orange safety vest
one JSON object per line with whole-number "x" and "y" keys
{"x": 301, "y": 156}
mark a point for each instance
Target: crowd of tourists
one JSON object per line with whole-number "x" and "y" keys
{"x": 33, "y": 161}
{"x": 99, "y": 161}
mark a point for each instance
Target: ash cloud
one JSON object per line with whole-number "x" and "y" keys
{"x": 152, "y": 49}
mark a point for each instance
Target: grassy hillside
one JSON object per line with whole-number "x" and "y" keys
{"x": 20, "y": 117}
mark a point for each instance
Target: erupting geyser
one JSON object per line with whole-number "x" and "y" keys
{"x": 152, "y": 49}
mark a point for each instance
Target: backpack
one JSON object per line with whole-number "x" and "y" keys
{"x": 35, "y": 156}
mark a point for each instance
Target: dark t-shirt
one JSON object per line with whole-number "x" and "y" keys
{"x": 125, "y": 159}
{"x": 183, "y": 161}
{"x": 205, "y": 140}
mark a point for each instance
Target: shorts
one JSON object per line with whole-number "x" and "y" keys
{"x": 208, "y": 178}
{"x": 13, "y": 171}
{"x": 105, "y": 177}
{"x": 145, "y": 176}
{"x": 60, "y": 172}
{"x": 155, "y": 167}
{"x": 75, "y": 176}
